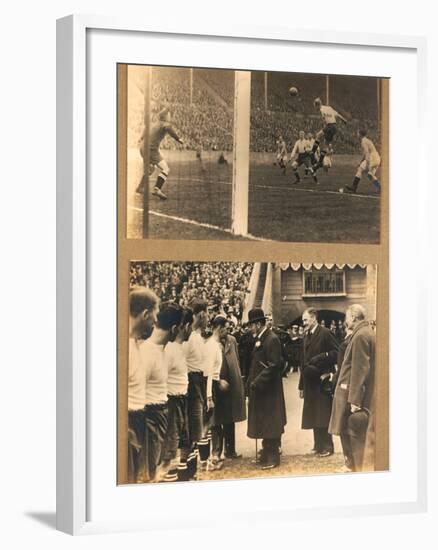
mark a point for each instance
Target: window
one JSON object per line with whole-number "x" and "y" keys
{"x": 323, "y": 282}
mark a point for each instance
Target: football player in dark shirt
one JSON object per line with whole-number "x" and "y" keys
{"x": 156, "y": 161}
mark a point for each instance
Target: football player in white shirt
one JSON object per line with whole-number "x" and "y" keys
{"x": 330, "y": 116}
{"x": 368, "y": 165}
{"x": 143, "y": 309}
{"x": 156, "y": 413}
{"x": 199, "y": 402}
{"x": 281, "y": 158}
{"x": 177, "y": 435}
{"x": 300, "y": 155}
{"x": 213, "y": 357}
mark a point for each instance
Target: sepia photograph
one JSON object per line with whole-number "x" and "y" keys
{"x": 260, "y": 155}
{"x": 239, "y": 370}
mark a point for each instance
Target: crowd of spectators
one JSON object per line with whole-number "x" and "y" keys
{"x": 223, "y": 285}
{"x": 204, "y": 119}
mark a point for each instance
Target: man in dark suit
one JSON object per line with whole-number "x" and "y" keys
{"x": 354, "y": 388}
{"x": 320, "y": 350}
{"x": 266, "y": 406}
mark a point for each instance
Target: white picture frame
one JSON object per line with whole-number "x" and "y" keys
{"x": 76, "y": 214}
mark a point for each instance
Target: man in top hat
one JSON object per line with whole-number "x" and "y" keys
{"x": 266, "y": 406}
{"x": 354, "y": 389}
{"x": 320, "y": 350}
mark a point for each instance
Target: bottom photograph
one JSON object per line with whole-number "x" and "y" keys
{"x": 243, "y": 370}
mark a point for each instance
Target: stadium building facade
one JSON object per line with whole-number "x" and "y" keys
{"x": 285, "y": 290}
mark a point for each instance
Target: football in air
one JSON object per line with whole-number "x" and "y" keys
{"x": 293, "y": 91}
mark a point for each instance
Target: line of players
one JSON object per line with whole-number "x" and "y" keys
{"x": 316, "y": 153}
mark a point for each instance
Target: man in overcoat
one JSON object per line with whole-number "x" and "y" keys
{"x": 320, "y": 350}
{"x": 354, "y": 388}
{"x": 266, "y": 406}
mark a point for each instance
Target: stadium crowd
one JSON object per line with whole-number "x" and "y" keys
{"x": 207, "y": 122}
{"x": 222, "y": 285}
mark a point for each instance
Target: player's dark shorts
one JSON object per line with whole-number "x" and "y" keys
{"x": 155, "y": 156}
{"x": 329, "y": 132}
{"x": 303, "y": 158}
{"x": 196, "y": 403}
{"x": 156, "y": 428}
{"x": 136, "y": 446}
{"x": 177, "y": 435}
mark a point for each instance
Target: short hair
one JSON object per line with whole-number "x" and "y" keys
{"x": 170, "y": 315}
{"x": 197, "y": 305}
{"x": 357, "y": 311}
{"x": 140, "y": 299}
{"x": 219, "y": 321}
{"x": 187, "y": 316}
{"x": 363, "y": 132}
{"x": 312, "y": 312}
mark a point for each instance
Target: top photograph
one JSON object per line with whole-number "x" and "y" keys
{"x": 220, "y": 154}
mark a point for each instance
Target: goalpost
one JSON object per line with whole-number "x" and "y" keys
{"x": 240, "y": 185}
{"x": 147, "y": 124}
{"x": 241, "y": 145}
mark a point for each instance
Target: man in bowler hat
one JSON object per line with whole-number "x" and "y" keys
{"x": 266, "y": 406}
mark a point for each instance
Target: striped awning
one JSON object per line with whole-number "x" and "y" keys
{"x": 295, "y": 267}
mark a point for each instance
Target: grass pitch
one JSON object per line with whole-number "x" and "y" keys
{"x": 199, "y": 202}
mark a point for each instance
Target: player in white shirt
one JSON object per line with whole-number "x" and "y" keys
{"x": 177, "y": 435}
{"x": 214, "y": 358}
{"x": 143, "y": 309}
{"x": 156, "y": 413}
{"x": 199, "y": 402}
{"x": 300, "y": 156}
{"x": 368, "y": 165}
{"x": 327, "y": 134}
{"x": 281, "y": 158}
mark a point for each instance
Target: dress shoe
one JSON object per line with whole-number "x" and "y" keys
{"x": 324, "y": 454}
{"x": 269, "y": 466}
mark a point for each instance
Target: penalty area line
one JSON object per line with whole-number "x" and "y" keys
{"x": 198, "y": 224}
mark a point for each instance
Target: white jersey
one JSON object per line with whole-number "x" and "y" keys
{"x": 177, "y": 378}
{"x": 281, "y": 148}
{"x": 136, "y": 377}
{"x": 301, "y": 146}
{"x": 194, "y": 350}
{"x": 328, "y": 114}
{"x": 213, "y": 361}
{"x": 156, "y": 372}
{"x": 369, "y": 151}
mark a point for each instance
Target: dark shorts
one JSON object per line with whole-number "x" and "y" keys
{"x": 303, "y": 158}
{"x": 136, "y": 446}
{"x": 177, "y": 435}
{"x": 155, "y": 156}
{"x": 156, "y": 428}
{"x": 329, "y": 132}
{"x": 196, "y": 404}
